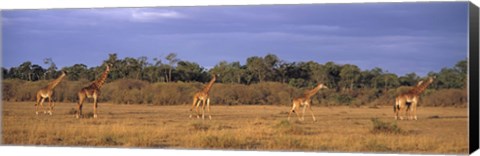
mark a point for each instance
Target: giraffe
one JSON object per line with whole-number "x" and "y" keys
{"x": 409, "y": 100}
{"x": 202, "y": 96}
{"x": 92, "y": 91}
{"x": 47, "y": 92}
{"x": 305, "y": 101}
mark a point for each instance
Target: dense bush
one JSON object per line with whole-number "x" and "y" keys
{"x": 384, "y": 127}
{"x": 132, "y": 91}
{"x": 445, "y": 97}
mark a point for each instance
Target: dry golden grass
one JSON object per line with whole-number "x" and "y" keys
{"x": 338, "y": 129}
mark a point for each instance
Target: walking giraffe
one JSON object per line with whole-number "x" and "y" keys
{"x": 47, "y": 92}
{"x": 305, "y": 101}
{"x": 408, "y": 101}
{"x": 92, "y": 91}
{"x": 202, "y": 96}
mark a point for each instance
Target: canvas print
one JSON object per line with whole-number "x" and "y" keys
{"x": 359, "y": 77}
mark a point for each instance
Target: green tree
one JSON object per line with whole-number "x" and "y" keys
{"x": 377, "y": 77}
{"x": 76, "y": 72}
{"x": 51, "y": 70}
{"x": 230, "y": 72}
{"x": 450, "y": 78}
{"x": 5, "y": 73}
{"x": 13, "y": 72}
{"x": 172, "y": 61}
{"x": 131, "y": 68}
{"x": 271, "y": 62}
{"x": 409, "y": 79}
{"x": 283, "y": 69}
{"x": 115, "y": 72}
{"x": 190, "y": 71}
{"x": 257, "y": 67}
{"x": 318, "y": 73}
{"x": 462, "y": 68}
{"x": 350, "y": 75}
{"x": 37, "y": 72}
{"x": 25, "y": 71}
{"x": 390, "y": 81}
{"x": 332, "y": 71}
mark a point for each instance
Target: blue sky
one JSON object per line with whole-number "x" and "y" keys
{"x": 398, "y": 37}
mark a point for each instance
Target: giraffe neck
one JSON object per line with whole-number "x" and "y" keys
{"x": 312, "y": 92}
{"x": 209, "y": 85}
{"x": 55, "y": 82}
{"x": 99, "y": 83}
{"x": 421, "y": 87}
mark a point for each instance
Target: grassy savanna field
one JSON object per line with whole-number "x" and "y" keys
{"x": 243, "y": 127}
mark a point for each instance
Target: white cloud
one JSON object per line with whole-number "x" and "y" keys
{"x": 133, "y": 14}
{"x": 149, "y": 16}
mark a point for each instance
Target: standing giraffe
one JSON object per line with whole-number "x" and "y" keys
{"x": 92, "y": 91}
{"x": 305, "y": 101}
{"x": 409, "y": 100}
{"x": 202, "y": 96}
{"x": 47, "y": 92}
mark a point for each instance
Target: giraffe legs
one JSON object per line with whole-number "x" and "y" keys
{"x": 414, "y": 113}
{"x": 208, "y": 107}
{"x": 407, "y": 106}
{"x": 303, "y": 112}
{"x": 395, "y": 109}
{"x": 293, "y": 110}
{"x": 194, "y": 104}
{"x": 401, "y": 104}
{"x": 414, "y": 109}
{"x": 203, "y": 109}
{"x": 407, "y": 112}
{"x": 81, "y": 99}
{"x": 95, "y": 106}
{"x": 197, "y": 106}
{"x": 313, "y": 116}
{"x": 41, "y": 105}
{"x": 50, "y": 106}
{"x": 403, "y": 109}
{"x": 290, "y": 113}
{"x": 39, "y": 98}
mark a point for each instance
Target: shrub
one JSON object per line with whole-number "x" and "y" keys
{"x": 131, "y": 91}
{"x": 286, "y": 127}
{"x": 108, "y": 140}
{"x": 10, "y": 89}
{"x": 383, "y": 127}
{"x": 343, "y": 98}
{"x": 446, "y": 97}
{"x": 200, "y": 126}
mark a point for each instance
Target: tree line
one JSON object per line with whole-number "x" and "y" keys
{"x": 269, "y": 68}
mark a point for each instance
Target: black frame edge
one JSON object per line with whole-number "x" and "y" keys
{"x": 473, "y": 77}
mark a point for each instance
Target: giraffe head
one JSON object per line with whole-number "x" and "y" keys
{"x": 322, "y": 86}
{"x": 64, "y": 72}
{"x": 431, "y": 78}
{"x": 419, "y": 83}
{"x": 214, "y": 76}
{"x": 108, "y": 66}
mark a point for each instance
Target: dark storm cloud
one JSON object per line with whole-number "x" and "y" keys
{"x": 399, "y": 37}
